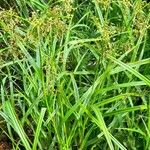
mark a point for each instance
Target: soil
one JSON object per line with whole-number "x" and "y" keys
{"x": 4, "y": 146}
{"x": 5, "y": 143}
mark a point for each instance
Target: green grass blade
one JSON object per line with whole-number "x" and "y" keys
{"x": 131, "y": 70}
{"x": 101, "y": 123}
{"x": 12, "y": 119}
{"x": 126, "y": 110}
{"x": 38, "y": 129}
{"x": 115, "y": 98}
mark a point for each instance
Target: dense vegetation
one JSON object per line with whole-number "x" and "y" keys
{"x": 74, "y": 74}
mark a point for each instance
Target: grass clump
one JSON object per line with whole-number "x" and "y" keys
{"x": 75, "y": 74}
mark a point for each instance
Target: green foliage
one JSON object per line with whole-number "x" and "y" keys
{"x": 75, "y": 74}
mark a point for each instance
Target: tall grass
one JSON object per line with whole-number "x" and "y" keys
{"x": 75, "y": 74}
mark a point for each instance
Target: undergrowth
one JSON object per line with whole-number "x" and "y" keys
{"x": 75, "y": 74}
